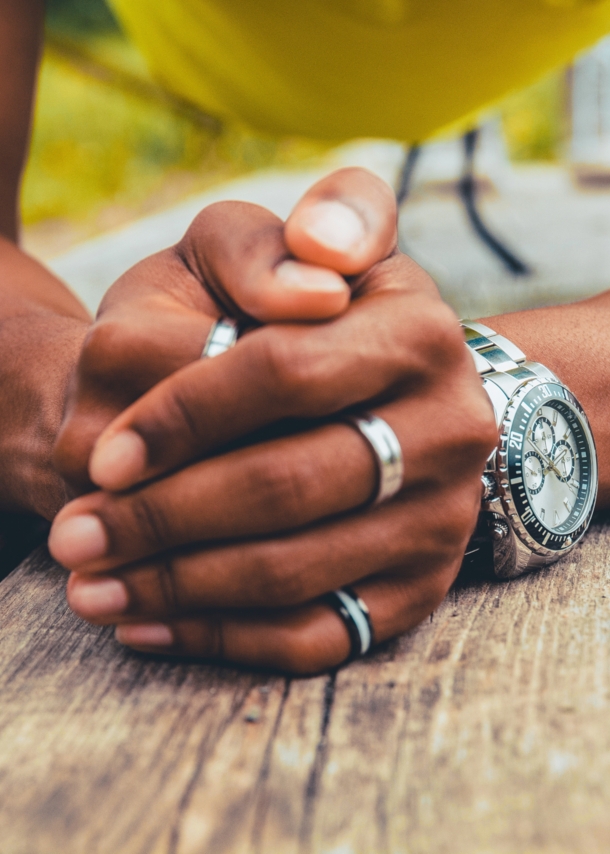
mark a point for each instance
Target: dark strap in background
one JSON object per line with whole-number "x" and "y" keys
{"x": 467, "y": 190}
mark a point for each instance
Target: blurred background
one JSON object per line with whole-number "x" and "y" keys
{"x": 109, "y": 144}
{"x": 118, "y": 167}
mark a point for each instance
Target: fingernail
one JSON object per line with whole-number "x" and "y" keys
{"x": 149, "y": 634}
{"x": 334, "y": 225}
{"x": 102, "y": 597}
{"x": 78, "y": 540}
{"x": 305, "y": 277}
{"x": 119, "y": 461}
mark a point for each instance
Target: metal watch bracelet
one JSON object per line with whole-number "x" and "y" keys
{"x": 501, "y": 364}
{"x": 503, "y": 368}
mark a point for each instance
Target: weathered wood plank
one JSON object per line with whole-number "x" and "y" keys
{"x": 490, "y": 724}
{"x": 99, "y": 749}
{"x": 485, "y": 731}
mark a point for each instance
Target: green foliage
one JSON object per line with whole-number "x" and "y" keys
{"x": 80, "y": 16}
{"x": 101, "y": 154}
{"x": 93, "y": 145}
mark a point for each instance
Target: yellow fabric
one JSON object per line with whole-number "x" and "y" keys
{"x": 335, "y": 69}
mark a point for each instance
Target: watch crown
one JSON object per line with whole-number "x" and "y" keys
{"x": 489, "y": 486}
{"x": 499, "y": 529}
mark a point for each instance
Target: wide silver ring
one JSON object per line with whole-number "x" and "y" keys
{"x": 222, "y": 336}
{"x": 356, "y": 618}
{"x": 387, "y": 452}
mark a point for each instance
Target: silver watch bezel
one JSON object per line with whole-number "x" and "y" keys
{"x": 525, "y": 552}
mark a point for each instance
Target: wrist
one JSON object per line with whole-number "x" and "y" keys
{"x": 571, "y": 341}
{"x": 541, "y": 483}
{"x": 37, "y": 357}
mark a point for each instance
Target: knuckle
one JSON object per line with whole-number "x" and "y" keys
{"x": 201, "y": 232}
{"x": 277, "y": 582}
{"x": 279, "y": 486}
{"x": 253, "y": 301}
{"x": 458, "y": 526}
{"x": 439, "y": 337}
{"x": 150, "y": 522}
{"x": 460, "y": 522}
{"x": 103, "y": 348}
{"x": 283, "y": 366}
{"x": 436, "y": 588}
{"x": 484, "y": 429}
{"x": 448, "y": 523}
{"x": 70, "y": 455}
{"x": 297, "y": 373}
{"x": 477, "y": 432}
{"x": 169, "y": 594}
{"x": 465, "y": 431}
{"x": 177, "y": 412}
{"x": 64, "y": 459}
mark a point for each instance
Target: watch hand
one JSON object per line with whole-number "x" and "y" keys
{"x": 564, "y": 451}
{"x": 550, "y": 464}
{"x": 552, "y": 467}
{"x": 562, "y": 459}
{"x": 547, "y": 460}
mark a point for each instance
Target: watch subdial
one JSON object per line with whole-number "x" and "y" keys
{"x": 563, "y": 461}
{"x": 533, "y": 468}
{"x": 543, "y": 435}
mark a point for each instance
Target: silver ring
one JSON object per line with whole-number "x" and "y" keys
{"x": 387, "y": 451}
{"x": 222, "y": 336}
{"x": 356, "y": 618}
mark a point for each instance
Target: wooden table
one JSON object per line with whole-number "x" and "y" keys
{"x": 484, "y": 731}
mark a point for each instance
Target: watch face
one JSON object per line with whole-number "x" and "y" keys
{"x": 551, "y": 466}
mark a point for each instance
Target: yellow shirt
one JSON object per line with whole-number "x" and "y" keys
{"x": 335, "y": 69}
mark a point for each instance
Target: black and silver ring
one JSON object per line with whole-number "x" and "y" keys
{"x": 387, "y": 451}
{"x": 222, "y": 336}
{"x": 356, "y": 619}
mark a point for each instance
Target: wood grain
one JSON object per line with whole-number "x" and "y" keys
{"x": 484, "y": 731}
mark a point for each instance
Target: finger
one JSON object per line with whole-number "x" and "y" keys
{"x": 260, "y": 489}
{"x": 388, "y": 339}
{"x": 303, "y": 640}
{"x": 238, "y": 252}
{"x": 152, "y": 322}
{"x": 344, "y": 224}
{"x": 265, "y": 488}
{"x": 416, "y": 532}
{"x": 156, "y": 317}
{"x": 347, "y": 221}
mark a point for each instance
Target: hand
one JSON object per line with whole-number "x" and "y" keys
{"x": 293, "y": 507}
{"x": 234, "y": 260}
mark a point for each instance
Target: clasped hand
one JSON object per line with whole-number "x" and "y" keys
{"x": 219, "y": 499}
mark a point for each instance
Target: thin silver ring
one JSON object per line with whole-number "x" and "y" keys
{"x": 222, "y": 336}
{"x": 387, "y": 452}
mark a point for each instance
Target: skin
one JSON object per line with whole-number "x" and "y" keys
{"x": 190, "y": 544}
{"x": 258, "y": 522}
{"x": 41, "y": 322}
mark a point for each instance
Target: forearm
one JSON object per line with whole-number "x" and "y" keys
{"x": 573, "y": 341}
{"x": 21, "y": 28}
{"x": 28, "y": 288}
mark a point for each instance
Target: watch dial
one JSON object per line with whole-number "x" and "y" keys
{"x": 551, "y": 464}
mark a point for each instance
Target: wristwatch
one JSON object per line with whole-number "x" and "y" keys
{"x": 540, "y": 483}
